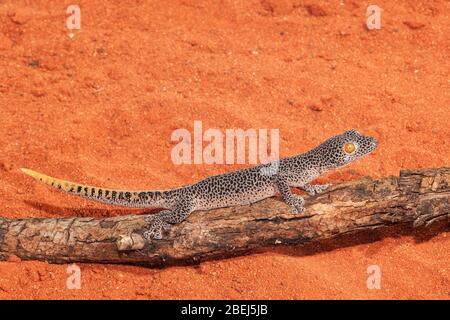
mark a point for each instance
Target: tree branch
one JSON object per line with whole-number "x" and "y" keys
{"x": 416, "y": 196}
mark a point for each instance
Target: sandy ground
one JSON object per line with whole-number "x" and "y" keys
{"x": 100, "y": 107}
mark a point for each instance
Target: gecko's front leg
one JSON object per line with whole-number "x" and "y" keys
{"x": 294, "y": 201}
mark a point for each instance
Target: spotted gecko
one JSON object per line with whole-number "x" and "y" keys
{"x": 241, "y": 187}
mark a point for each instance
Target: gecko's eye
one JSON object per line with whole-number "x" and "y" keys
{"x": 349, "y": 148}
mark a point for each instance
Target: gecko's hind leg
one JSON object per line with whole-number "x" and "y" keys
{"x": 162, "y": 220}
{"x": 157, "y": 223}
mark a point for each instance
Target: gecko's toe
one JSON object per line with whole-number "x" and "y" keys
{"x": 153, "y": 235}
{"x": 296, "y": 204}
{"x": 300, "y": 210}
{"x": 318, "y": 189}
{"x": 297, "y": 210}
{"x": 321, "y": 188}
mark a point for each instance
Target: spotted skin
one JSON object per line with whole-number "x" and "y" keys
{"x": 233, "y": 188}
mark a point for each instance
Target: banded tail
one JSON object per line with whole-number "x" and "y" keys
{"x": 125, "y": 198}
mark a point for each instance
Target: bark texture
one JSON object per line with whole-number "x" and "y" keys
{"x": 419, "y": 197}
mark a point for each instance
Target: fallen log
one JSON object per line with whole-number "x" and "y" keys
{"x": 419, "y": 197}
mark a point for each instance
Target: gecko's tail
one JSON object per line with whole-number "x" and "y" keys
{"x": 134, "y": 199}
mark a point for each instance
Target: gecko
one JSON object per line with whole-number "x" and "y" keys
{"x": 234, "y": 188}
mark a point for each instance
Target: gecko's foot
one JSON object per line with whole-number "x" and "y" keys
{"x": 296, "y": 203}
{"x": 317, "y": 188}
{"x": 157, "y": 225}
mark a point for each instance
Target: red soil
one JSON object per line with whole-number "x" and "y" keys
{"x": 100, "y": 108}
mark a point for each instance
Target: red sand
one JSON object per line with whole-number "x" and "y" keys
{"x": 100, "y": 109}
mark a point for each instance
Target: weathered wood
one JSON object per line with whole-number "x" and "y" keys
{"x": 416, "y": 196}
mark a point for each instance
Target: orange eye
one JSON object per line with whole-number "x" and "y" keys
{"x": 349, "y": 148}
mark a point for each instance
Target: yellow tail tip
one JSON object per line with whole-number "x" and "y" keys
{"x": 27, "y": 171}
{"x": 32, "y": 173}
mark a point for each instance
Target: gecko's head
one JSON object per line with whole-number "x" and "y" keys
{"x": 342, "y": 149}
